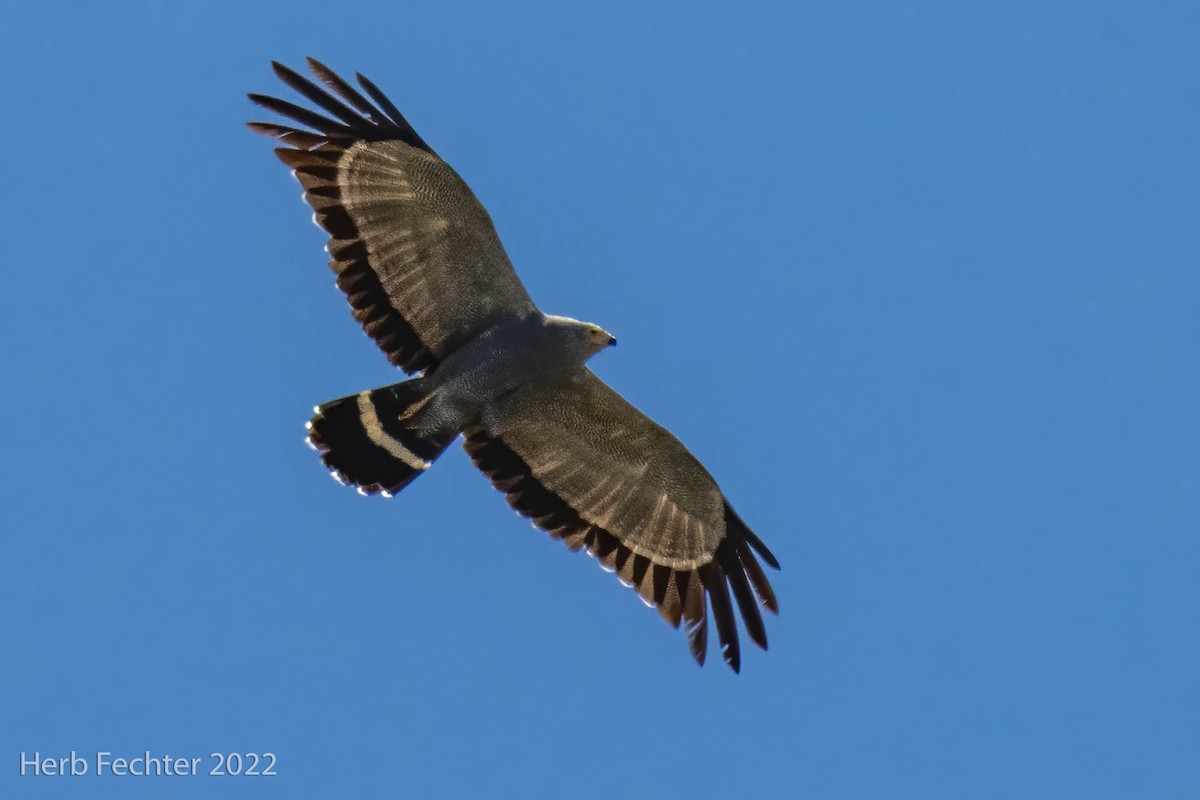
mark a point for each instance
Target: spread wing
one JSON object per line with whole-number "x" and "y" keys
{"x": 413, "y": 248}
{"x": 593, "y": 471}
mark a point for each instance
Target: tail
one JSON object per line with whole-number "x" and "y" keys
{"x": 380, "y": 440}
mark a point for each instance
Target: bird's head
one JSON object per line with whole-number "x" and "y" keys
{"x": 584, "y": 336}
{"x": 597, "y": 337}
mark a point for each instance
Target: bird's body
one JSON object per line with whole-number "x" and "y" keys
{"x": 515, "y": 353}
{"x": 533, "y": 351}
{"x": 426, "y": 275}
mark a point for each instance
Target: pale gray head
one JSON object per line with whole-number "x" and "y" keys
{"x": 590, "y": 339}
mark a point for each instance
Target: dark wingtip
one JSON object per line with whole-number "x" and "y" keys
{"x": 350, "y": 115}
{"x": 391, "y": 112}
{"x": 756, "y": 576}
{"x": 286, "y": 74}
{"x": 733, "y": 657}
{"x": 762, "y": 550}
{"x": 735, "y": 523}
{"x": 713, "y": 579}
{"x": 734, "y": 572}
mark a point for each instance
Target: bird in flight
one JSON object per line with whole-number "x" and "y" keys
{"x": 426, "y": 276}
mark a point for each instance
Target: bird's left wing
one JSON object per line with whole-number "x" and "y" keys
{"x": 413, "y": 249}
{"x": 589, "y": 468}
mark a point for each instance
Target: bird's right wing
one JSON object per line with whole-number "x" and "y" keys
{"x": 592, "y": 470}
{"x": 413, "y": 248}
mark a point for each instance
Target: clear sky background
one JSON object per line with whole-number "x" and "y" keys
{"x": 917, "y": 282}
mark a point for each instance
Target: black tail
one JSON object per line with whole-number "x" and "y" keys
{"x": 369, "y": 440}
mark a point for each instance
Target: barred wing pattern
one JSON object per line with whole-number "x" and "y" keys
{"x": 590, "y": 469}
{"x": 413, "y": 249}
{"x": 424, "y": 272}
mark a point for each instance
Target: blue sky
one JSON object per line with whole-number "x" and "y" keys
{"x": 917, "y": 282}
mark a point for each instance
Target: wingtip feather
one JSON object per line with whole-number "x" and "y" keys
{"x": 747, "y": 603}
{"x": 722, "y": 612}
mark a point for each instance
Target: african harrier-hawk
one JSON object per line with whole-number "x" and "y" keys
{"x": 426, "y": 275}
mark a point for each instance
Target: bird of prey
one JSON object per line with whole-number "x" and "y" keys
{"x": 426, "y": 276}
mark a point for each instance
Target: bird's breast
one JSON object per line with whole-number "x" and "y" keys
{"x": 502, "y": 359}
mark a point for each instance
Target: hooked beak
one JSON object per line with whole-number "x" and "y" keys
{"x": 612, "y": 341}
